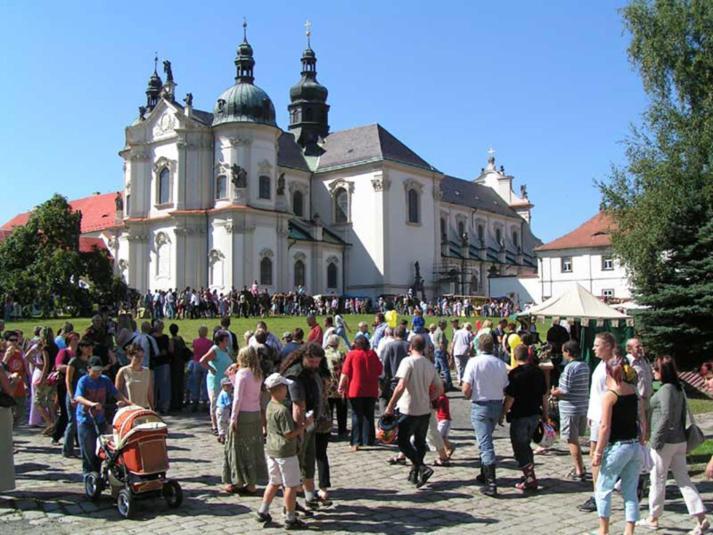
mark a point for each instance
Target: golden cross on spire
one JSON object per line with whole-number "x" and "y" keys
{"x": 308, "y": 31}
{"x": 245, "y": 29}
{"x": 155, "y": 62}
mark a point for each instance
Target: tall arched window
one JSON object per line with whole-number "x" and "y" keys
{"x": 461, "y": 229}
{"x": 515, "y": 238}
{"x": 264, "y": 187}
{"x": 332, "y": 276}
{"x": 413, "y": 208}
{"x": 164, "y": 186}
{"x": 481, "y": 233}
{"x": 266, "y": 271}
{"x": 499, "y": 236}
{"x": 297, "y": 203}
{"x": 221, "y": 187}
{"x": 474, "y": 284}
{"x": 341, "y": 206}
{"x": 299, "y": 273}
{"x": 444, "y": 232}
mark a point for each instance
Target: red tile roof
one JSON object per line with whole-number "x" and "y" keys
{"x": 98, "y": 213}
{"x": 592, "y": 233}
{"x": 86, "y": 243}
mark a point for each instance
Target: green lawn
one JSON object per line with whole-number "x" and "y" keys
{"x": 698, "y": 458}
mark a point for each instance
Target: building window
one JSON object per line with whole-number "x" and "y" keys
{"x": 566, "y": 264}
{"x": 609, "y": 292}
{"x": 221, "y": 187}
{"x": 444, "y": 232}
{"x": 332, "y": 276}
{"x": 461, "y": 229}
{"x": 413, "y": 208}
{"x": 481, "y": 233}
{"x": 266, "y": 271}
{"x": 127, "y": 204}
{"x": 499, "y": 236}
{"x": 341, "y": 206}
{"x": 297, "y": 203}
{"x": 164, "y": 186}
{"x": 607, "y": 263}
{"x": 299, "y": 273}
{"x": 264, "y": 187}
{"x": 515, "y": 238}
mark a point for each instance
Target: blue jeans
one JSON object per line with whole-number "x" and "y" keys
{"x": 162, "y": 387}
{"x": 343, "y": 334}
{"x": 363, "y": 433}
{"x": 87, "y": 447}
{"x": 70, "y": 432}
{"x": 443, "y": 369}
{"x": 621, "y": 460}
{"x": 484, "y": 415}
{"x": 196, "y": 382}
{"x": 521, "y": 432}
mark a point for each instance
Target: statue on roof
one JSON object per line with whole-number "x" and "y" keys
{"x": 142, "y": 112}
{"x": 239, "y": 176}
{"x": 523, "y": 191}
{"x": 168, "y": 71}
{"x": 189, "y": 99}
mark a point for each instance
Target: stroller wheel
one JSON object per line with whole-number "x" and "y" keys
{"x": 93, "y": 485}
{"x": 125, "y": 503}
{"x": 172, "y": 493}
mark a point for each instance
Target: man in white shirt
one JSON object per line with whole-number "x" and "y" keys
{"x": 604, "y": 344}
{"x": 484, "y": 382}
{"x": 462, "y": 338}
{"x": 412, "y": 396}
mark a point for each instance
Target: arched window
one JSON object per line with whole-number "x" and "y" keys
{"x": 499, "y": 236}
{"x": 164, "y": 185}
{"x": 221, "y": 187}
{"x": 297, "y": 203}
{"x": 481, "y": 233}
{"x": 341, "y": 206}
{"x": 299, "y": 273}
{"x": 474, "y": 285}
{"x": 444, "y": 232}
{"x": 266, "y": 271}
{"x": 413, "y": 208}
{"x": 515, "y": 238}
{"x": 461, "y": 229}
{"x": 264, "y": 187}
{"x": 332, "y": 276}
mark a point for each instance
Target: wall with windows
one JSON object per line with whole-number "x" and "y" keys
{"x": 595, "y": 269}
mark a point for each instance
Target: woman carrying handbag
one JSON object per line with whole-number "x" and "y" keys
{"x": 670, "y": 440}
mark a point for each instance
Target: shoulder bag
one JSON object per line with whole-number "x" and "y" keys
{"x": 694, "y": 435}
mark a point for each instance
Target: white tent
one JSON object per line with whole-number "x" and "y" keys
{"x": 576, "y": 303}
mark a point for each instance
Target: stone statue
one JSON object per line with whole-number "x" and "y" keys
{"x": 523, "y": 191}
{"x": 221, "y": 105}
{"x": 119, "y": 202}
{"x": 142, "y": 112}
{"x": 189, "y": 99}
{"x": 168, "y": 71}
{"x": 502, "y": 169}
{"x": 239, "y": 176}
{"x": 418, "y": 285}
{"x": 281, "y": 184}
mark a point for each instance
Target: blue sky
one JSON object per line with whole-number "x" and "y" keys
{"x": 547, "y": 84}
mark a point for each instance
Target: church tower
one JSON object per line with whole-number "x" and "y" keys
{"x": 308, "y": 109}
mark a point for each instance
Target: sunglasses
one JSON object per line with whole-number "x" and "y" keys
{"x": 12, "y": 340}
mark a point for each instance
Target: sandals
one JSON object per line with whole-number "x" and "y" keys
{"x": 231, "y": 489}
{"x": 442, "y": 462}
{"x": 451, "y": 452}
{"x": 397, "y": 460}
{"x": 648, "y": 523}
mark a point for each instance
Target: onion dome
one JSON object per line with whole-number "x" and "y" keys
{"x": 153, "y": 90}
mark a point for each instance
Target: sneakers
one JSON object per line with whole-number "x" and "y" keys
{"x": 413, "y": 475}
{"x": 701, "y": 528}
{"x": 423, "y": 475}
{"x": 295, "y": 524}
{"x": 264, "y": 517}
{"x": 589, "y": 506}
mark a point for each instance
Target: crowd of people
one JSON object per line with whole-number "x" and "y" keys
{"x": 272, "y": 401}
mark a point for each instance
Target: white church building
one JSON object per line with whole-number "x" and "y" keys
{"x": 224, "y": 198}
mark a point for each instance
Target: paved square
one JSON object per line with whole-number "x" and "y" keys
{"x": 370, "y": 496}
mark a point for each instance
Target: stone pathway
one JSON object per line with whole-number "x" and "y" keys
{"x": 370, "y": 496}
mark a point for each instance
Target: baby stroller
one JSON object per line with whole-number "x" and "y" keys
{"x": 134, "y": 461}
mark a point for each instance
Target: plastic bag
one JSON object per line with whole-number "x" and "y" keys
{"x": 549, "y": 435}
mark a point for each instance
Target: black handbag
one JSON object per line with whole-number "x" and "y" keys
{"x": 7, "y": 401}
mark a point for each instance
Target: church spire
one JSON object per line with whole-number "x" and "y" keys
{"x": 153, "y": 91}
{"x": 244, "y": 61}
{"x": 308, "y": 109}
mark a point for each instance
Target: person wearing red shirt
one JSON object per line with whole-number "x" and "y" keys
{"x": 360, "y": 383}
{"x": 315, "y": 331}
{"x": 14, "y": 362}
{"x": 443, "y": 415}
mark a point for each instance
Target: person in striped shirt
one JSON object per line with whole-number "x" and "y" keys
{"x": 573, "y": 395}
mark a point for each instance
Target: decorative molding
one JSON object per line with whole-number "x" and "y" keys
{"x": 300, "y": 256}
{"x": 161, "y": 239}
{"x": 341, "y": 183}
{"x": 437, "y": 193}
{"x": 410, "y": 183}
{"x": 380, "y": 182}
{"x": 138, "y": 153}
{"x": 215, "y": 256}
{"x": 264, "y": 167}
{"x": 222, "y": 168}
{"x": 162, "y": 162}
{"x": 266, "y": 253}
{"x": 238, "y": 141}
{"x": 333, "y": 260}
{"x": 137, "y": 237}
{"x": 164, "y": 125}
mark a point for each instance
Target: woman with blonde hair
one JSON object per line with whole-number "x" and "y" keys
{"x": 244, "y": 461}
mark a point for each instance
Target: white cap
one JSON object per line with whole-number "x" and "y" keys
{"x": 276, "y": 379}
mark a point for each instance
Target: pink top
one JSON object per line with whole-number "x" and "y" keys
{"x": 246, "y": 395}
{"x": 201, "y": 346}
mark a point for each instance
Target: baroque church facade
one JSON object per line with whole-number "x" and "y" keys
{"x": 224, "y": 198}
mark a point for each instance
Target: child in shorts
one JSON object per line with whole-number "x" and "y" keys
{"x": 224, "y": 405}
{"x": 281, "y": 453}
{"x": 443, "y": 415}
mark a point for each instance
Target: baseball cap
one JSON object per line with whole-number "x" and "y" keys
{"x": 287, "y": 335}
{"x": 225, "y": 381}
{"x": 276, "y": 379}
{"x": 96, "y": 364}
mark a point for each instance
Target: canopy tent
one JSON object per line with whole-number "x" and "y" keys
{"x": 587, "y": 316}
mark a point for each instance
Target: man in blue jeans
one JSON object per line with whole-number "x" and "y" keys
{"x": 484, "y": 381}
{"x": 440, "y": 343}
{"x": 91, "y": 395}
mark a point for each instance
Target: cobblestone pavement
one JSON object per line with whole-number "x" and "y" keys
{"x": 369, "y": 495}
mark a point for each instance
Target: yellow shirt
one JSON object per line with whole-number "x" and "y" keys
{"x": 514, "y": 340}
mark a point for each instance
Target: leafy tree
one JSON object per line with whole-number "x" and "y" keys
{"x": 662, "y": 200}
{"x": 41, "y": 264}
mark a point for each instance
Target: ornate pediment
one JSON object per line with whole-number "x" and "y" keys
{"x": 165, "y": 125}
{"x": 164, "y": 162}
{"x": 340, "y": 183}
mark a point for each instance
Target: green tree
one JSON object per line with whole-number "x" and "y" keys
{"x": 662, "y": 200}
{"x": 41, "y": 264}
